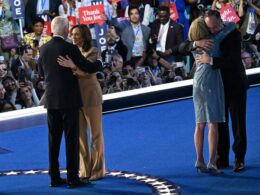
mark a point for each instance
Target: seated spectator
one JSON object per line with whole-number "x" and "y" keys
{"x": 218, "y": 4}
{"x": 36, "y": 39}
{"x": 21, "y": 67}
{"x": 5, "y": 104}
{"x": 27, "y": 97}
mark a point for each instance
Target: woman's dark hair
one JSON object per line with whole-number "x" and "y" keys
{"x": 131, "y": 7}
{"x": 86, "y": 36}
{"x": 37, "y": 20}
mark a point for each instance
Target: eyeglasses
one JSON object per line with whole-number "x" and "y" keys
{"x": 243, "y": 58}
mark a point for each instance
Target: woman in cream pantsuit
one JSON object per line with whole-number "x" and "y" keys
{"x": 92, "y": 164}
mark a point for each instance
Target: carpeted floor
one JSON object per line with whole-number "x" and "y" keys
{"x": 156, "y": 140}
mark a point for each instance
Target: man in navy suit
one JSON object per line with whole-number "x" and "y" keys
{"x": 166, "y": 35}
{"x": 63, "y": 100}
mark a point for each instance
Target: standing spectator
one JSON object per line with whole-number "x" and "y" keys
{"x": 39, "y": 8}
{"x": 36, "y": 39}
{"x": 250, "y": 19}
{"x": 92, "y": 164}
{"x": 134, "y": 35}
{"x": 108, "y": 13}
{"x": 69, "y": 8}
{"x": 21, "y": 68}
{"x": 256, "y": 37}
{"x": 114, "y": 45}
{"x": 145, "y": 11}
{"x": 166, "y": 35}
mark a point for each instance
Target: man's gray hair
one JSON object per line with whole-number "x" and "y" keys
{"x": 59, "y": 24}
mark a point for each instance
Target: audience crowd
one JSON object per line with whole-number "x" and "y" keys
{"x": 148, "y": 58}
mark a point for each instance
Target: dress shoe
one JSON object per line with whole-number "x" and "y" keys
{"x": 201, "y": 167}
{"x": 85, "y": 180}
{"x": 222, "y": 164}
{"x": 57, "y": 182}
{"x": 213, "y": 169}
{"x": 76, "y": 183}
{"x": 238, "y": 166}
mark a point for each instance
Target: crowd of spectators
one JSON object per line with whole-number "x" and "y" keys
{"x": 148, "y": 58}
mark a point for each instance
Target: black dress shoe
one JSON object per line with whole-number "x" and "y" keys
{"x": 76, "y": 183}
{"x": 222, "y": 164}
{"x": 85, "y": 180}
{"x": 57, "y": 182}
{"x": 239, "y": 165}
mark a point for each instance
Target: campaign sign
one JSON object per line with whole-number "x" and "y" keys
{"x": 72, "y": 21}
{"x": 228, "y": 14}
{"x": 173, "y": 12}
{"x": 47, "y": 28}
{"x": 91, "y": 14}
{"x": 17, "y": 7}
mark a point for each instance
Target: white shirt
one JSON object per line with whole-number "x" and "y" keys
{"x": 147, "y": 13}
{"x": 162, "y": 36}
{"x": 138, "y": 46}
{"x": 70, "y": 11}
{"x": 42, "y": 5}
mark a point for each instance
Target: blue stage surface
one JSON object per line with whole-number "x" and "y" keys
{"x": 154, "y": 142}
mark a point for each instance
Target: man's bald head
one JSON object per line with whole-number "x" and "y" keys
{"x": 60, "y": 26}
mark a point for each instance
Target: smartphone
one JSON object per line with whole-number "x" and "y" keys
{"x": 35, "y": 43}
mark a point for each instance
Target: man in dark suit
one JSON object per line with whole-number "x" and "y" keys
{"x": 166, "y": 35}
{"x": 114, "y": 46}
{"x": 47, "y": 8}
{"x": 63, "y": 100}
{"x": 235, "y": 86}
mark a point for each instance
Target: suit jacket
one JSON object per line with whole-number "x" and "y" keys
{"x": 174, "y": 35}
{"x": 62, "y": 89}
{"x": 120, "y": 48}
{"x": 128, "y": 36}
{"x": 230, "y": 63}
{"x": 30, "y": 11}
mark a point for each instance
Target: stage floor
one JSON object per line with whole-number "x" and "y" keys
{"x": 148, "y": 150}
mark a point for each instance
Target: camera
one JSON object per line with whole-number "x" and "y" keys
{"x": 21, "y": 75}
{"x": 100, "y": 75}
{"x": 125, "y": 71}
